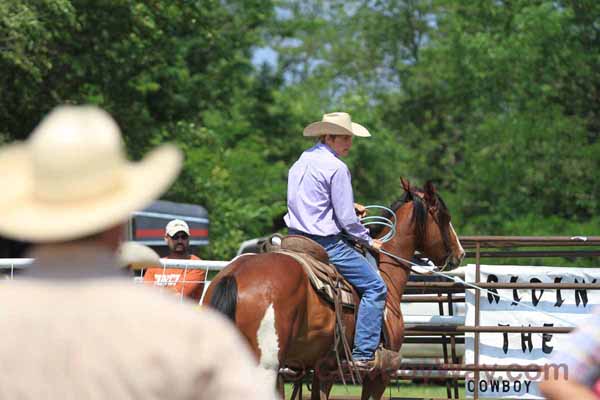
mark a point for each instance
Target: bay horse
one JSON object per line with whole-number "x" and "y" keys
{"x": 287, "y": 324}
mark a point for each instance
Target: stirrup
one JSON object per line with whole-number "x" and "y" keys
{"x": 362, "y": 365}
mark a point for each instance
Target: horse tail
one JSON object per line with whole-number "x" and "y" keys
{"x": 224, "y": 296}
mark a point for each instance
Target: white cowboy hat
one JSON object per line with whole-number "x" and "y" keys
{"x": 337, "y": 123}
{"x": 71, "y": 178}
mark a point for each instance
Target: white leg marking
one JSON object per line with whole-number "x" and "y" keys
{"x": 268, "y": 344}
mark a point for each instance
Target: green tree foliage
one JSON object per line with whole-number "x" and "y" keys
{"x": 149, "y": 63}
{"x": 27, "y": 55}
{"x": 516, "y": 126}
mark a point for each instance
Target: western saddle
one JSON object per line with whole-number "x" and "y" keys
{"x": 323, "y": 276}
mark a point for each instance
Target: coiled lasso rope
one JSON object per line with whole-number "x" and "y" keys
{"x": 382, "y": 221}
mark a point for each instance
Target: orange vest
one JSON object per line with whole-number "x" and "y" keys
{"x": 188, "y": 282}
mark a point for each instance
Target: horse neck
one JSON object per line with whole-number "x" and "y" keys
{"x": 403, "y": 245}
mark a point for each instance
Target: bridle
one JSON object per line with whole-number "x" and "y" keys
{"x": 444, "y": 232}
{"x": 391, "y": 223}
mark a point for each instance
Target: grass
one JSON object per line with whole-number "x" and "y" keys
{"x": 401, "y": 389}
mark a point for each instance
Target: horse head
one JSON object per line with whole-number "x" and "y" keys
{"x": 434, "y": 234}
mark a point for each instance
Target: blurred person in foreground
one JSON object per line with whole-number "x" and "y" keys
{"x": 183, "y": 282}
{"x": 74, "y": 326}
{"x": 577, "y": 365}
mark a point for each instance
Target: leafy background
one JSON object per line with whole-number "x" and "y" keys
{"x": 497, "y": 101}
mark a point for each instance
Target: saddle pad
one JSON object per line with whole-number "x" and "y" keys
{"x": 323, "y": 277}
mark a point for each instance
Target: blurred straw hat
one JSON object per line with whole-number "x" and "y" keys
{"x": 71, "y": 178}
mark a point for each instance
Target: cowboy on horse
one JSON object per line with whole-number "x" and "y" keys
{"x": 320, "y": 205}
{"x": 295, "y": 311}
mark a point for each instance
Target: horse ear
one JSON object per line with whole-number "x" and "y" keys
{"x": 405, "y": 184}
{"x": 429, "y": 192}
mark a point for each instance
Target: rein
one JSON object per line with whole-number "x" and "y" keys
{"x": 404, "y": 263}
{"x": 458, "y": 279}
{"x": 391, "y": 223}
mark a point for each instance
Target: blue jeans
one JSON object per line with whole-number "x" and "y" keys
{"x": 368, "y": 283}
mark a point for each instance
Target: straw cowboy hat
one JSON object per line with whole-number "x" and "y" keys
{"x": 71, "y": 178}
{"x": 337, "y": 123}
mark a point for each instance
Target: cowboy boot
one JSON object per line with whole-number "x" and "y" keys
{"x": 387, "y": 361}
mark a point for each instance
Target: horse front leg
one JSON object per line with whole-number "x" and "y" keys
{"x": 325, "y": 373}
{"x": 320, "y": 388}
{"x": 374, "y": 387}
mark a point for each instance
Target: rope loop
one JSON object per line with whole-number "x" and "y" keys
{"x": 382, "y": 221}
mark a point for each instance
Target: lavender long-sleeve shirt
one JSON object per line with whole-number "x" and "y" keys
{"x": 319, "y": 196}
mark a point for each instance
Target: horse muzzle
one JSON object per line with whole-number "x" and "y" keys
{"x": 452, "y": 262}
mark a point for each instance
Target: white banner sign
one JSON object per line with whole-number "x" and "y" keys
{"x": 514, "y": 349}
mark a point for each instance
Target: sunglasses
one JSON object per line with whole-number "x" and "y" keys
{"x": 180, "y": 236}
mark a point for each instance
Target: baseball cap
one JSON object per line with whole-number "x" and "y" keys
{"x": 177, "y": 225}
